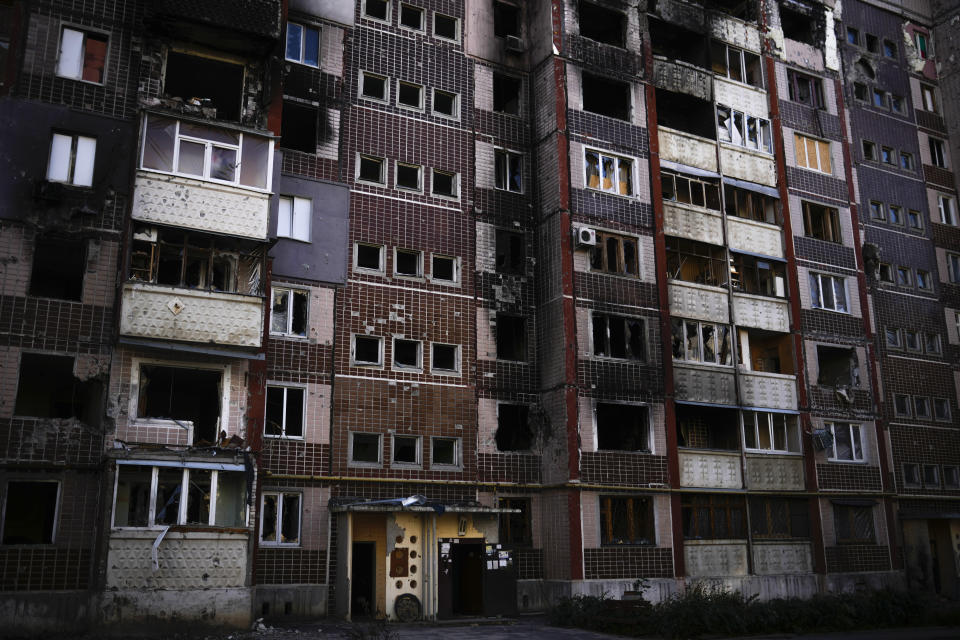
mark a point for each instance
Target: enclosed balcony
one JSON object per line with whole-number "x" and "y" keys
{"x": 698, "y": 275}
{"x": 203, "y": 177}
{"x": 759, "y": 298}
{"x": 767, "y": 374}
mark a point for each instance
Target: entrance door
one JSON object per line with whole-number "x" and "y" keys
{"x": 467, "y": 560}
{"x": 363, "y": 580}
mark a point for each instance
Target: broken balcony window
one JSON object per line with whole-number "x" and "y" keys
{"x": 674, "y": 42}
{"x": 770, "y": 432}
{"x": 506, "y": 94}
{"x": 779, "y": 518}
{"x": 713, "y": 517}
{"x": 280, "y": 522}
{"x": 299, "y": 128}
{"x": 58, "y": 269}
{"x": 619, "y": 337}
{"x": 513, "y": 427}
{"x": 837, "y": 366}
{"x": 821, "y": 222}
{"x": 216, "y": 498}
{"x": 622, "y": 427}
{"x": 132, "y": 508}
{"x": 752, "y": 205}
{"x": 701, "y": 342}
{"x": 198, "y": 497}
{"x": 515, "y": 528}
{"x": 184, "y": 396}
{"x": 511, "y": 337}
{"x": 602, "y": 24}
{"x": 288, "y": 312}
{"x": 445, "y": 358}
{"x": 201, "y": 80}
{"x": 761, "y": 350}
{"x": 685, "y": 113}
{"x": 284, "y": 417}
{"x": 30, "y": 512}
{"x": 614, "y": 254}
{"x": 689, "y": 189}
{"x": 606, "y": 97}
{"x": 744, "y": 130}
{"x": 511, "y": 252}
{"x": 800, "y": 22}
{"x": 169, "y": 493}
{"x": 506, "y": 20}
{"x": 626, "y": 520}
{"x": 735, "y": 64}
{"x": 707, "y": 428}
{"x": 693, "y": 261}
{"x": 47, "y": 388}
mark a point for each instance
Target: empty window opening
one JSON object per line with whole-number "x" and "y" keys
{"x": 411, "y": 17}
{"x": 699, "y": 262}
{"x": 408, "y": 263}
{"x": 410, "y": 95}
{"x": 371, "y": 170}
{"x": 47, "y": 388}
{"x": 506, "y": 20}
{"x": 606, "y": 97}
{"x": 690, "y": 190}
{"x": 445, "y": 27}
{"x": 798, "y": 18}
{"x": 837, "y": 366}
{"x": 506, "y": 94}
{"x": 767, "y": 351}
{"x": 213, "y": 82}
{"x": 182, "y": 395}
{"x": 673, "y": 42}
{"x": 911, "y": 474}
{"x": 288, "y": 313}
{"x": 626, "y": 520}
{"x": 369, "y": 256}
{"x": 872, "y": 43}
{"x": 406, "y": 450}
{"x": 445, "y": 452}
{"x": 713, "y": 517}
{"x": 83, "y": 55}
{"x": 511, "y": 337}
{"x": 445, "y": 184}
{"x": 373, "y": 86}
{"x": 445, "y": 103}
{"x": 779, "y": 518}
{"x": 707, "y": 428}
{"x": 367, "y": 350}
{"x": 406, "y": 353}
{"x": 869, "y": 150}
{"x": 30, "y": 512}
{"x": 377, "y": 9}
{"x": 409, "y": 176}
{"x": 513, "y": 427}
{"x": 299, "y": 127}
{"x": 58, "y": 268}
{"x": 866, "y": 70}
{"x": 280, "y": 522}
{"x": 284, "y": 418}
{"x": 614, "y": 254}
{"x": 444, "y": 268}
{"x": 445, "y": 358}
{"x": 744, "y": 203}
{"x": 821, "y": 222}
{"x": 602, "y": 24}
{"x": 686, "y": 113}
{"x": 511, "y": 252}
{"x": 365, "y": 448}
{"x": 619, "y": 337}
{"x": 515, "y": 528}
{"x": 622, "y": 427}
{"x": 196, "y": 261}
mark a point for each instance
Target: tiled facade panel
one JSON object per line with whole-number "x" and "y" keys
{"x": 917, "y": 443}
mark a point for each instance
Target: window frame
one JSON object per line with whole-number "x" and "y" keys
{"x": 790, "y": 436}
{"x": 457, "y": 356}
{"x": 815, "y": 88}
{"x": 456, "y": 38}
{"x": 928, "y": 98}
{"x": 853, "y": 428}
{"x": 351, "y": 462}
{"x": 941, "y": 416}
{"x": 281, "y": 495}
{"x": 389, "y": 11}
{"x": 624, "y": 267}
{"x": 938, "y": 152}
{"x": 818, "y": 303}
{"x": 381, "y": 269}
{"x": 283, "y": 426}
{"x": 741, "y": 55}
{"x": 396, "y": 176}
{"x": 634, "y": 506}
{"x": 832, "y": 224}
{"x": 303, "y": 43}
{"x": 411, "y": 7}
{"x": 365, "y": 363}
{"x": 455, "y": 99}
{"x": 948, "y": 213}
{"x": 455, "y": 281}
{"x": 82, "y": 53}
{"x": 363, "y": 75}
{"x": 454, "y": 184}
{"x": 889, "y": 332}
{"x": 593, "y": 318}
{"x": 797, "y": 138}
{"x": 908, "y": 405}
{"x": 849, "y": 527}
{"x": 685, "y": 342}
{"x": 764, "y": 136}
{"x": 361, "y": 157}
{"x": 292, "y": 217}
{"x": 72, "y": 161}
{"x": 926, "y": 413}
{"x": 420, "y": 92}
{"x": 407, "y": 368}
{"x": 502, "y": 158}
{"x": 628, "y": 162}
{"x": 418, "y": 274}
{"x": 289, "y": 333}
{"x": 417, "y": 463}
{"x": 912, "y": 476}
{"x": 457, "y": 464}
{"x": 869, "y": 150}
{"x": 953, "y": 266}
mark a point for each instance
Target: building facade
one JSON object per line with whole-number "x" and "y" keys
{"x": 454, "y": 307}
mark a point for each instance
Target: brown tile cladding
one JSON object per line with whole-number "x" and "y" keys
{"x": 55, "y": 325}
{"x": 44, "y": 569}
{"x": 858, "y": 557}
{"x": 291, "y": 566}
{"x": 608, "y": 563}
{"x": 299, "y": 361}
{"x": 529, "y": 563}
{"x": 295, "y": 457}
{"x": 938, "y": 177}
{"x": 60, "y": 441}
{"x": 848, "y": 477}
{"x": 623, "y": 469}
{"x": 508, "y": 467}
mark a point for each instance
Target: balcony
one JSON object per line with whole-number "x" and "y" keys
{"x": 703, "y": 383}
{"x": 698, "y": 301}
{"x": 710, "y": 469}
{"x": 682, "y": 77}
{"x": 752, "y": 166}
{"x": 755, "y": 237}
{"x": 773, "y": 472}
{"x": 158, "y": 312}
{"x": 696, "y": 224}
{"x": 715, "y": 558}
{"x": 761, "y": 312}
{"x": 686, "y": 148}
{"x": 774, "y": 558}
{"x": 770, "y": 390}
{"x": 212, "y": 559}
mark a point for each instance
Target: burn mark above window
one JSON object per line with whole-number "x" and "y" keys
{"x": 513, "y": 428}
{"x": 801, "y": 21}
{"x": 602, "y": 24}
{"x": 47, "y": 388}
{"x": 506, "y": 20}
{"x": 606, "y": 97}
{"x": 58, "y": 268}
{"x": 182, "y": 395}
{"x": 673, "y": 42}
{"x": 511, "y": 334}
{"x": 622, "y": 427}
{"x": 205, "y": 82}
{"x": 837, "y": 366}
{"x": 511, "y": 252}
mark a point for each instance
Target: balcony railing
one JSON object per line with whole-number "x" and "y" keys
{"x": 697, "y": 224}
{"x": 754, "y": 166}
{"x": 715, "y": 558}
{"x": 755, "y": 237}
{"x": 710, "y": 469}
{"x": 687, "y": 149}
{"x": 772, "y": 558}
{"x": 703, "y": 383}
{"x": 761, "y": 312}
{"x": 773, "y": 472}
{"x": 770, "y": 390}
{"x": 698, "y": 301}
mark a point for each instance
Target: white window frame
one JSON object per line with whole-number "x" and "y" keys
{"x": 716, "y": 327}
{"x": 947, "y": 207}
{"x": 365, "y": 463}
{"x": 68, "y": 153}
{"x": 396, "y": 174}
{"x": 906, "y": 481}
{"x": 457, "y": 454}
{"x": 79, "y": 55}
{"x": 421, "y": 89}
{"x": 294, "y": 218}
{"x": 456, "y": 270}
{"x": 457, "y": 360}
{"x": 283, "y": 426}
{"x": 928, "y": 97}
{"x": 291, "y": 291}
{"x": 303, "y": 43}
{"x": 615, "y": 190}
{"x": 454, "y": 184}
{"x": 790, "y": 431}
{"x": 423, "y": 18}
{"x": 953, "y": 267}
{"x": 895, "y": 215}
{"x": 386, "y": 87}
{"x": 382, "y": 181}
{"x": 501, "y": 164}
{"x": 894, "y": 331}
{"x": 764, "y": 135}
{"x": 393, "y": 449}
{"x": 818, "y": 303}
{"x": 353, "y": 350}
{"x": 281, "y": 495}
{"x": 456, "y": 105}
{"x": 855, "y": 428}
{"x": 917, "y": 36}
{"x": 938, "y": 152}
{"x": 409, "y": 368}
{"x": 56, "y": 509}
{"x": 924, "y": 401}
{"x": 356, "y": 267}
{"x": 408, "y": 276}
{"x": 444, "y": 38}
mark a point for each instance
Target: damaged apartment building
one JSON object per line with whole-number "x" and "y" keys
{"x": 438, "y": 308}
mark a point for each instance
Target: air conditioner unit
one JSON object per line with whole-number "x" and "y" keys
{"x": 515, "y": 44}
{"x": 585, "y": 236}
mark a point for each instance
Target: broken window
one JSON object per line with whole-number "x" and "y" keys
{"x": 446, "y": 104}
{"x": 444, "y": 452}
{"x": 713, "y": 517}
{"x": 47, "y": 388}
{"x": 280, "y": 518}
{"x": 30, "y": 512}
{"x": 214, "y": 498}
{"x": 406, "y": 354}
{"x": 602, "y": 24}
{"x": 699, "y": 262}
{"x": 706, "y": 342}
{"x": 626, "y": 520}
{"x": 770, "y": 432}
{"x": 798, "y": 18}
{"x": 515, "y": 528}
{"x": 289, "y": 310}
{"x": 446, "y": 27}
{"x": 673, "y": 42}
{"x": 622, "y": 427}
{"x": 941, "y": 409}
{"x": 506, "y": 20}
{"x": 821, "y": 222}
{"x": 938, "y": 155}
{"x": 758, "y": 276}
{"x": 610, "y": 173}
{"x": 185, "y": 396}
{"x": 506, "y": 94}
{"x": 744, "y": 130}
{"x": 303, "y": 44}
{"x": 365, "y": 448}
{"x": 285, "y": 412}
{"x": 409, "y": 95}
{"x": 373, "y": 86}
{"x": 205, "y": 81}
{"x": 761, "y": 350}
{"x": 847, "y": 442}
{"x": 689, "y": 189}
{"x": 853, "y": 524}
{"x": 411, "y": 17}
{"x": 445, "y": 358}
{"x": 707, "y": 428}
{"x": 838, "y": 367}
{"x": 299, "y": 128}
{"x": 367, "y": 351}
{"x": 368, "y": 256}
{"x": 812, "y": 154}
{"x": 511, "y": 337}
{"x": 872, "y": 43}
{"x": 606, "y": 97}
{"x": 293, "y": 217}
{"x": 513, "y": 427}
{"x": 735, "y": 64}
{"x": 911, "y": 474}
{"x": 929, "y": 98}
{"x": 83, "y": 55}
{"x": 860, "y": 91}
{"x": 377, "y": 9}
{"x": 406, "y": 450}
{"x": 618, "y": 337}
{"x": 58, "y": 269}
{"x": 752, "y": 205}
{"x": 869, "y": 150}
{"x": 743, "y": 9}
{"x": 614, "y": 254}
{"x": 71, "y": 159}
{"x": 508, "y": 170}
{"x": 828, "y": 292}
{"x": 921, "y": 407}
{"x": 408, "y": 263}
{"x": 511, "y": 252}
{"x": 885, "y": 272}
{"x": 686, "y": 113}
{"x": 445, "y": 269}
{"x": 445, "y": 184}
{"x": 779, "y": 518}
{"x": 409, "y": 176}
{"x": 371, "y": 169}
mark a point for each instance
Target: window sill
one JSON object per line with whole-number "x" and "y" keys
{"x": 446, "y": 467}
{"x": 356, "y": 464}
{"x": 280, "y": 545}
{"x": 406, "y": 466}
{"x": 610, "y": 193}
{"x": 81, "y": 80}
{"x": 303, "y": 64}
{"x": 284, "y": 437}
{"x": 864, "y": 463}
{"x": 367, "y": 365}
{"x": 447, "y": 373}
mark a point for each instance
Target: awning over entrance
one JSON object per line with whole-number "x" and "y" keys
{"x": 413, "y": 504}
